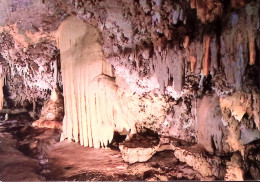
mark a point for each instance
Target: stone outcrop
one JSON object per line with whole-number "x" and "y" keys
{"x": 52, "y": 113}
{"x": 234, "y": 169}
{"x": 141, "y": 149}
{"x": 210, "y": 129}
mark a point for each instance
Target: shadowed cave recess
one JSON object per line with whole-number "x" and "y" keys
{"x": 151, "y": 90}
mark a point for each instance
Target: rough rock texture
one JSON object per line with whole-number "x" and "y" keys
{"x": 28, "y": 73}
{"x": 28, "y": 51}
{"x": 234, "y": 169}
{"x": 195, "y": 160}
{"x": 210, "y": 129}
{"x": 241, "y": 130}
{"x": 54, "y": 160}
{"x": 139, "y": 148}
{"x": 180, "y": 121}
{"x": 170, "y": 59}
{"x": 207, "y": 10}
{"x": 52, "y": 113}
{"x": 12, "y": 166}
{"x": 240, "y": 104}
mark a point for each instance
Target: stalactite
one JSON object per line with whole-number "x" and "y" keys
{"x": 252, "y": 50}
{"x": 193, "y": 4}
{"x": 207, "y": 10}
{"x": 186, "y": 41}
{"x": 201, "y": 7}
{"x": 193, "y": 60}
{"x": 206, "y": 56}
{"x": 214, "y": 49}
{"x": 252, "y": 9}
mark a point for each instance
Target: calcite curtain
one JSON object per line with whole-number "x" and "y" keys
{"x": 93, "y": 109}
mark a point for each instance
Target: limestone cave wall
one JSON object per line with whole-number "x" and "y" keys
{"x": 184, "y": 69}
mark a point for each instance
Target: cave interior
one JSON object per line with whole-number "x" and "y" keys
{"x": 151, "y": 90}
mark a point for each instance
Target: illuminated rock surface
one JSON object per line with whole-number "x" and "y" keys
{"x": 52, "y": 113}
{"x": 106, "y": 71}
{"x": 139, "y": 149}
{"x": 234, "y": 169}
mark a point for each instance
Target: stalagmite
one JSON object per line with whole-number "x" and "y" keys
{"x": 93, "y": 110}
{"x": 206, "y": 56}
{"x": 52, "y": 112}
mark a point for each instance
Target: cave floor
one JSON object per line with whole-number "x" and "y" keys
{"x": 29, "y": 154}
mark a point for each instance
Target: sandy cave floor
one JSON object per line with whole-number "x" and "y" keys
{"x": 29, "y": 154}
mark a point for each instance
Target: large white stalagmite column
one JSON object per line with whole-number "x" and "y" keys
{"x": 92, "y": 108}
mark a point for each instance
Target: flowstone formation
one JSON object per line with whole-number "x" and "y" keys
{"x": 92, "y": 111}
{"x": 94, "y": 108}
{"x": 185, "y": 70}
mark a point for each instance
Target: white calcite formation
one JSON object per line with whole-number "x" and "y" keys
{"x": 92, "y": 107}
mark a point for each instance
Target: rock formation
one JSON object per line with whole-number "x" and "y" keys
{"x": 52, "y": 113}
{"x": 187, "y": 70}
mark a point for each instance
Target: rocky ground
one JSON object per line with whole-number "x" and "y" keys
{"x": 36, "y": 154}
{"x": 29, "y": 154}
